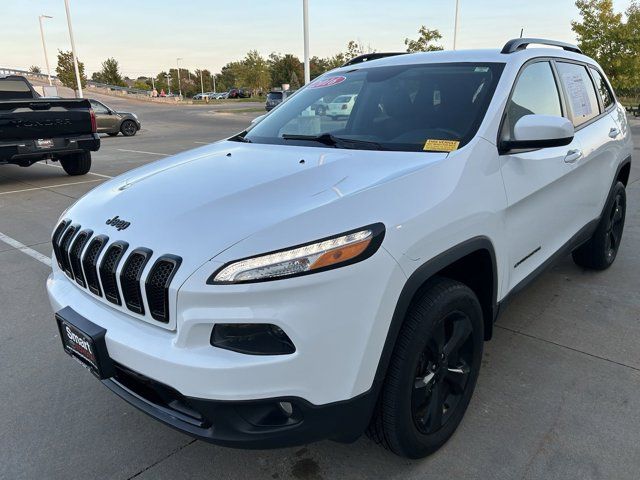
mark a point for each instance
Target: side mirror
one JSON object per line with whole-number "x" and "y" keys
{"x": 539, "y": 131}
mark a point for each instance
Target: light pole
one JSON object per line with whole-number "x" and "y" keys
{"x": 213, "y": 79}
{"x": 455, "y": 27}
{"x": 44, "y": 47}
{"x": 73, "y": 49}
{"x": 179, "y": 87}
{"x": 168, "y": 77}
{"x": 201, "y": 83}
{"x": 305, "y": 21}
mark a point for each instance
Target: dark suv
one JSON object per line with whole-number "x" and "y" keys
{"x": 276, "y": 97}
{"x": 239, "y": 93}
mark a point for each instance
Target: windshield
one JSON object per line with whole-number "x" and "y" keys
{"x": 394, "y": 108}
{"x": 274, "y": 96}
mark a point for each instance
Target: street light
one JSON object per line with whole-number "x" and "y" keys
{"x": 455, "y": 27}
{"x": 168, "y": 77}
{"x": 179, "y": 87}
{"x": 44, "y": 46}
{"x": 73, "y": 48}
{"x": 305, "y": 21}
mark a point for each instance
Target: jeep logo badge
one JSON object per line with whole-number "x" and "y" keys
{"x": 118, "y": 223}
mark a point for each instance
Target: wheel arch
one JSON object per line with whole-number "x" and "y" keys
{"x": 473, "y": 263}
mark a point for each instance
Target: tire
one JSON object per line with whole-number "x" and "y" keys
{"x": 113, "y": 134}
{"x": 600, "y": 251}
{"x": 432, "y": 372}
{"x": 78, "y": 164}
{"x": 128, "y": 128}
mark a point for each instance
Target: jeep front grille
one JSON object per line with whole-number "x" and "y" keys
{"x": 77, "y": 253}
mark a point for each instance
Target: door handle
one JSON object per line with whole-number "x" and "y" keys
{"x": 614, "y": 132}
{"x": 573, "y": 156}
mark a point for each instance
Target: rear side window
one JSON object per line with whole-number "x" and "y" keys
{"x": 603, "y": 88}
{"x": 581, "y": 95}
{"x": 535, "y": 93}
{"x": 14, "y": 89}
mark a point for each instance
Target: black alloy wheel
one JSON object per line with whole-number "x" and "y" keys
{"x": 442, "y": 373}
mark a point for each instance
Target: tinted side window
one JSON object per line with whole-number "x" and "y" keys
{"x": 581, "y": 94}
{"x": 603, "y": 89}
{"x": 98, "y": 107}
{"x": 536, "y": 93}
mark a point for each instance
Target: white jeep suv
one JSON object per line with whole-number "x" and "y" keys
{"x": 311, "y": 279}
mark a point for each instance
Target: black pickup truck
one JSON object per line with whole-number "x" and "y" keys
{"x": 34, "y": 128}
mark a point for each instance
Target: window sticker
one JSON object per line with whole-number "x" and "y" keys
{"x": 328, "y": 82}
{"x": 578, "y": 94}
{"x": 432, "y": 145}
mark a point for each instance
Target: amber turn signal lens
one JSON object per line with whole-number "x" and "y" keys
{"x": 341, "y": 254}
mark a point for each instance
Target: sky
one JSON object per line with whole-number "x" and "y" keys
{"x": 147, "y": 36}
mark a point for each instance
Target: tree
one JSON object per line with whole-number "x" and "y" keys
{"x": 615, "y": 44}
{"x": 110, "y": 73}
{"x": 66, "y": 73}
{"x": 424, "y": 42}
{"x": 141, "y": 84}
{"x": 283, "y": 67}
{"x": 255, "y": 74}
{"x": 34, "y": 69}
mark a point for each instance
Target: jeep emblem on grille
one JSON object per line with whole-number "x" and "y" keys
{"x": 118, "y": 223}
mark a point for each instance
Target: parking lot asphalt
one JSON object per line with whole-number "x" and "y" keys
{"x": 558, "y": 394}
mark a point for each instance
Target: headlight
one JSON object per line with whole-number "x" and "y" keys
{"x": 332, "y": 252}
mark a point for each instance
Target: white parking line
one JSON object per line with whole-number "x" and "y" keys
{"x": 49, "y": 186}
{"x": 24, "y": 249}
{"x": 58, "y": 166}
{"x": 141, "y": 151}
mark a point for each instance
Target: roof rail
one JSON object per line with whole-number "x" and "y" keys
{"x": 517, "y": 44}
{"x": 367, "y": 57}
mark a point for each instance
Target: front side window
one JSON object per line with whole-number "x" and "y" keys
{"x": 535, "y": 93}
{"x": 397, "y": 108}
{"x": 603, "y": 88}
{"x": 581, "y": 95}
{"x": 98, "y": 107}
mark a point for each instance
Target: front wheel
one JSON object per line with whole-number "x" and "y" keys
{"x": 599, "y": 252}
{"x": 128, "y": 128}
{"x": 432, "y": 372}
{"x": 77, "y": 164}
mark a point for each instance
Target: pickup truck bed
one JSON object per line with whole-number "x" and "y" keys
{"x": 33, "y": 129}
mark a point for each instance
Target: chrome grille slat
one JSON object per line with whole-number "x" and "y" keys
{"x": 130, "y": 279}
{"x": 90, "y": 263}
{"x": 65, "y": 244}
{"x": 55, "y": 240}
{"x": 108, "y": 268}
{"x": 157, "y": 286}
{"x": 74, "y": 255}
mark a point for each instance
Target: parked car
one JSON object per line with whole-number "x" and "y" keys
{"x": 33, "y": 128}
{"x": 282, "y": 286}
{"x": 238, "y": 93}
{"x": 112, "y": 122}
{"x": 200, "y": 96}
{"x": 340, "y": 107}
{"x": 276, "y": 97}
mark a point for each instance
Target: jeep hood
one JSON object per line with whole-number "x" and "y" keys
{"x": 201, "y": 202}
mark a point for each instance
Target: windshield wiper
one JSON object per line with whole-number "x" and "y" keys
{"x": 334, "y": 141}
{"x": 240, "y": 137}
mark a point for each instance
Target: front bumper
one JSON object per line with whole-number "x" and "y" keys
{"x": 338, "y": 321}
{"x": 257, "y": 424}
